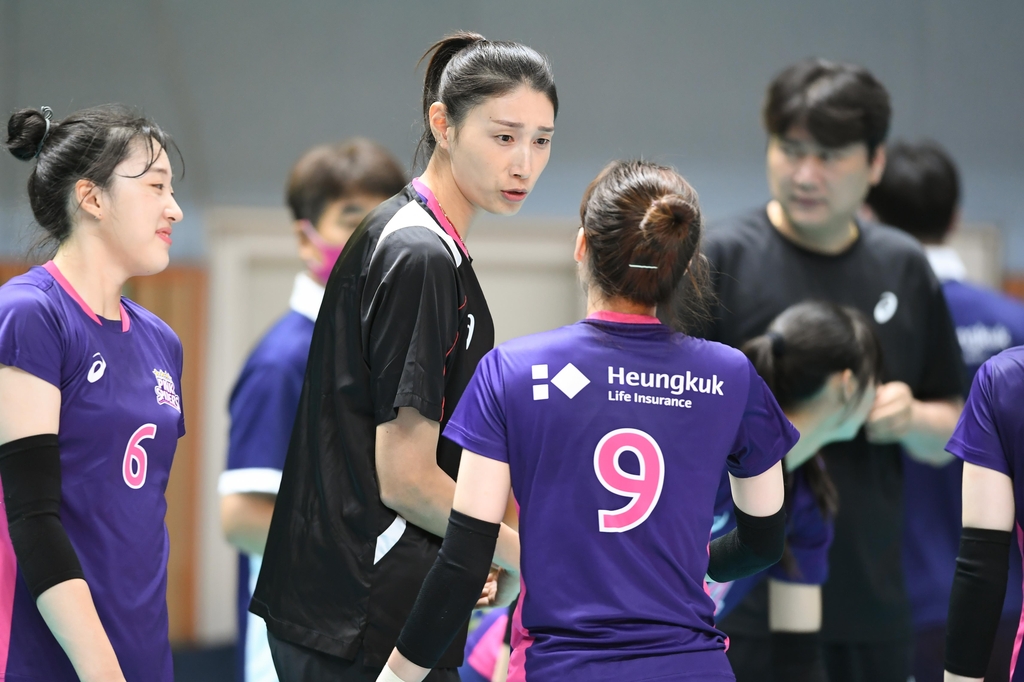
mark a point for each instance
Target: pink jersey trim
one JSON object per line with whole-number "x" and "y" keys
{"x": 521, "y": 640}
{"x": 8, "y": 578}
{"x": 435, "y": 208}
{"x": 51, "y": 268}
{"x": 1020, "y": 626}
{"x": 626, "y": 318}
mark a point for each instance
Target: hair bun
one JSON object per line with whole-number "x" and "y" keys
{"x": 25, "y": 131}
{"x": 670, "y": 217}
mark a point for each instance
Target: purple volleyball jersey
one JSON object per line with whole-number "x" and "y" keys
{"x": 808, "y": 539}
{"x": 120, "y": 420}
{"x": 990, "y": 434}
{"x": 616, "y": 431}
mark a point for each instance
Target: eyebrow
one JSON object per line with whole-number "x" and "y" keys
{"x": 162, "y": 171}
{"x": 511, "y": 124}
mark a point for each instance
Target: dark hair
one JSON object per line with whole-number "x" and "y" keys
{"x": 87, "y": 145}
{"x": 327, "y": 173}
{"x": 803, "y": 346}
{"x": 465, "y": 69}
{"x": 919, "y": 191}
{"x": 807, "y": 343}
{"x": 643, "y": 227}
{"x": 838, "y": 104}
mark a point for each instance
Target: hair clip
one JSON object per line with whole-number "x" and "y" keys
{"x": 47, "y": 113}
{"x": 778, "y": 343}
{"x": 643, "y": 267}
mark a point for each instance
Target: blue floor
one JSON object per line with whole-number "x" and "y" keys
{"x": 216, "y": 664}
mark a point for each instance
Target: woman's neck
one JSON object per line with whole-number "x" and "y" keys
{"x": 438, "y": 177}
{"x": 86, "y": 264}
{"x": 815, "y": 433}
{"x": 616, "y": 304}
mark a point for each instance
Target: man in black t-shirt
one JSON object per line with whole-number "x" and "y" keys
{"x": 827, "y": 124}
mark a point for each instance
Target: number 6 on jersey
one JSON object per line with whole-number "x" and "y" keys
{"x": 644, "y": 488}
{"x": 136, "y": 459}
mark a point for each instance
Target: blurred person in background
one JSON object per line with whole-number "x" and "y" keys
{"x": 368, "y": 482}
{"x": 822, "y": 363}
{"x": 827, "y": 123}
{"x": 330, "y": 190}
{"x": 920, "y": 194}
{"x": 90, "y": 407}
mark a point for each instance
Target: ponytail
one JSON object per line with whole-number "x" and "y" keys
{"x": 643, "y": 226}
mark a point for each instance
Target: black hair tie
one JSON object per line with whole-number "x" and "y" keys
{"x": 47, "y": 113}
{"x": 778, "y": 343}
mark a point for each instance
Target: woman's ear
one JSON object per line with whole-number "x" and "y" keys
{"x": 438, "y": 117}
{"x": 581, "y": 246}
{"x": 848, "y": 385}
{"x": 89, "y": 198}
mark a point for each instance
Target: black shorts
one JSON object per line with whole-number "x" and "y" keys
{"x": 295, "y": 663}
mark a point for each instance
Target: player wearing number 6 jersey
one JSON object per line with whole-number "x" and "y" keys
{"x": 613, "y": 434}
{"x": 90, "y": 408}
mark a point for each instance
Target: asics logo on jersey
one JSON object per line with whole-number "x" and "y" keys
{"x": 98, "y": 368}
{"x": 569, "y": 381}
{"x": 469, "y": 332}
{"x": 886, "y": 307}
{"x": 677, "y": 383}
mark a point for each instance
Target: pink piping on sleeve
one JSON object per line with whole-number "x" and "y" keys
{"x": 1020, "y": 626}
{"x": 8, "y": 578}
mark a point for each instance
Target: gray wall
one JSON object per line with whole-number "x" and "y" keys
{"x": 246, "y": 87}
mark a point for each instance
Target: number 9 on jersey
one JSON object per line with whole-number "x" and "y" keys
{"x": 643, "y": 489}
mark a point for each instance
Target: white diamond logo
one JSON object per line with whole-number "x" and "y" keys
{"x": 570, "y": 380}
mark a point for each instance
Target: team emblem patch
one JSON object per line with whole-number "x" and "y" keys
{"x": 165, "y": 393}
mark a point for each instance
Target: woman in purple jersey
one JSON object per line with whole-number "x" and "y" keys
{"x": 616, "y": 480}
{"x": 90, "y": 407}
{"x": 822, "y": 363}
{"x": 989, "y": 438}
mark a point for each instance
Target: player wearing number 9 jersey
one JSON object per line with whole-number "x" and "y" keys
{"x": 90, "y": 408}
{"x": 613, "y": 433}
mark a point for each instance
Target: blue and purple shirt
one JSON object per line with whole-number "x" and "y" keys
{"x": 987, "y": 322}
{"x": 616, "y": 431}
{"x": 990, "y": 434}
{"x": 262, "y": 407}
{"x": 808, "y": 538}
{"x": 120, "y": 420}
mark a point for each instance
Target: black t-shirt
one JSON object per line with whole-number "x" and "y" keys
{"x": 403, "y": 324}
{"x": 757, "y": 273}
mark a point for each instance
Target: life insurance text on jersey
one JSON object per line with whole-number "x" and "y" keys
{"x": 677, "y": 384}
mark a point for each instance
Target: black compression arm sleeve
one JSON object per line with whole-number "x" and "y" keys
{"x": 450, "y": 591}
{"x": 30, "y": 473}
{"x": 753, "y": 545}
{"x": 796, "y": 657}
{"x": 976, "y": 603}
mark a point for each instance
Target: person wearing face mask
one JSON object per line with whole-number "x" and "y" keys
{"x": 90, "y": 407}
{"x": 821, "y": 362}
{"x": 827, "y": 124}
{"x": 368, "y": 482}
{"x": 330, "y": 190}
